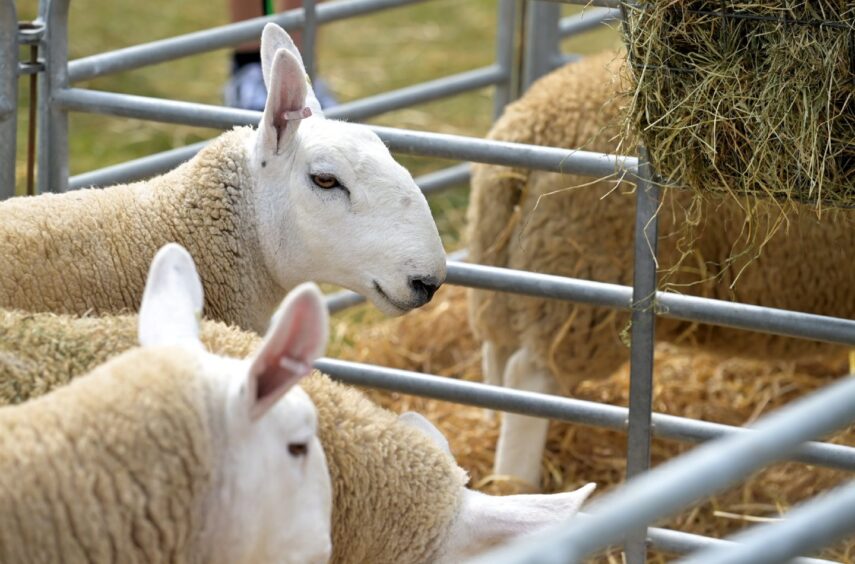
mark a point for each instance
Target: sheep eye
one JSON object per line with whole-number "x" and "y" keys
{"x": 325, "y": 181}
{"x": 298, "y": 449}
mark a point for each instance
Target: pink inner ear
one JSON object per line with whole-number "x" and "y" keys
{"x": 287, "y": 90}
{"x": 287, "y": 354}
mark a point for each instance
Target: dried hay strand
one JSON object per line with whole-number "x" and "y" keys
{"x": 746, "y": 97}
{"x": 437, "y": 339}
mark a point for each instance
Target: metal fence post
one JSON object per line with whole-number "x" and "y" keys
{"x": 53, "y": 120}
{"x": 310, "y": 35}
{"x": 642, "y": 339}
{"x": 541, "y": 48}
{"x": 506, "y": 40}
{"x": 8, "y": 97}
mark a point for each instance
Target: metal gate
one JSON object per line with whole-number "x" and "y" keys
{"x": 622, "y": 515}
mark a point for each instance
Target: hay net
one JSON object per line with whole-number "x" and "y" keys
{"x": 748, "y": 98}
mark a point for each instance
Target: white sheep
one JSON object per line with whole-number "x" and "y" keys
{"x": 301, "y": 198}
{"x": 398, "y": 494}
{"x": 170, "y": 453}
{"x": 567, "y": 225}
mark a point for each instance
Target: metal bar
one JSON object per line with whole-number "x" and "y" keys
{"x": 597, "y": 3}
{"x": 217, "y": 38}
{"x": 586, "y": 21}
{"x": 310, "y": 34}
{"x": 642, "y": 340}
{"x": 814, "y": 524}
{"x": 559, "y": 408}
{"x": 454, "y": 147}
{"x": 541, "y": 47}
{"x": 31, "y": 124}
{"x": 152, "y": 165}
{"x": 8, "y": 97}
{"x": 52, "y": 146}
{"x": 137, "y": 169}
{"x": 678, "y": 542}
{"x": 506, "y": 34}
{"x": 675, "y": 306}
{"x": 439, "y": 180}
{"x": 703, "y": 471}
{"x": 419, "y": 93}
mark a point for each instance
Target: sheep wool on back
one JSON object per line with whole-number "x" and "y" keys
{"x": 575, "y": 226}
{"x": 395, "y": 494}
{"x": 88, "y": 250}
{"x": 116, "y": 466}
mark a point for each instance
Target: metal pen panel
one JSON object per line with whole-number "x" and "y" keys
{"x": 816, "y": 523}
{"x": 506, "y": 37}
{"x": 52, "y": 146}
{"x": 675, "y": 306}
{"x": 217, "y": 38}
{"x": 8, "y": 97}
{"x": 587, "y": 21}
{"x": 642, "y": 341}
{"x": 308, "y": 50}
{"x": 454, "y": 147}
{"x": 559, "y": 408}
{"x": 678, "y": 542}
{"x": 541, "y": 49}
{"x": 419, "y": 93}
{"x": 705, "y": 470}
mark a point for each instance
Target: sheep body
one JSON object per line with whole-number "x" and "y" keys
{"x": 570, "y": 226}
{"x": 368, "y": 453}
{"x": 141, "y": 497}
{"x": 88, "y": 250}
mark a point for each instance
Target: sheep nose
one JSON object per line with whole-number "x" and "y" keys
{"x": 424, "y": 287}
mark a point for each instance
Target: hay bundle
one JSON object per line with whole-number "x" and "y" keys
{"x": 702, "y": 386}
{"x": 747, "y": 97}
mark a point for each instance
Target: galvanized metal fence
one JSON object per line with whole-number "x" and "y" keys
{"x": 620, "y": 516}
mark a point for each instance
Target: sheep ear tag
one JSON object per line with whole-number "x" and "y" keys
{"x": 418, "y": 421}
{"x": 172, "y": 300}
{"x": 297, "y": 336}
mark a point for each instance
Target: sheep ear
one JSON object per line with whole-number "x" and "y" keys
{"x": 172, "y": 300}
{"x": 297, "y": 336}
{"x": 418, "y": 421}
{"x": 286, "y": 103}
{"x": 486, "y": 520}
{"x": 274, "y": 38}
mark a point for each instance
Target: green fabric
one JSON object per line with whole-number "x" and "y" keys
{"x": 268, "y": 7}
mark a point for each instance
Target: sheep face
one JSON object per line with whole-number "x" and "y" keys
{"x": 272, "y": 499}
{"x": 332, "y": 204}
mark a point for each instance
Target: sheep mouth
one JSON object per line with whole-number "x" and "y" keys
{"x": 388, "y": 299}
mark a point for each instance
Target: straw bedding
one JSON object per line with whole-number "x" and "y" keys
{"x": 437, "y": 340}
{"x": 747, "y": 97}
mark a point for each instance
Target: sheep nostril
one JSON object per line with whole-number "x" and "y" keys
{"x": 424, "y": 287}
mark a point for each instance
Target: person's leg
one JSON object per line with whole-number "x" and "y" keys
{"x": 245, "y": 89}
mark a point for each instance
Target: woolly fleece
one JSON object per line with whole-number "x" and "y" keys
{"x": 89, "y": 250}
{"x": 395, "y": 493}
{"x": 584, "y": 229}
{"x": 117, "y": 466}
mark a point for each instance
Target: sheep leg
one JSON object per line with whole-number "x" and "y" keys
{"x": 522, "y": 438}
{"x": 494, "y": 359}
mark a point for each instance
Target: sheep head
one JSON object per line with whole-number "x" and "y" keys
{"x": 332, "y": 204}
{"x": 273, "y": 496}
